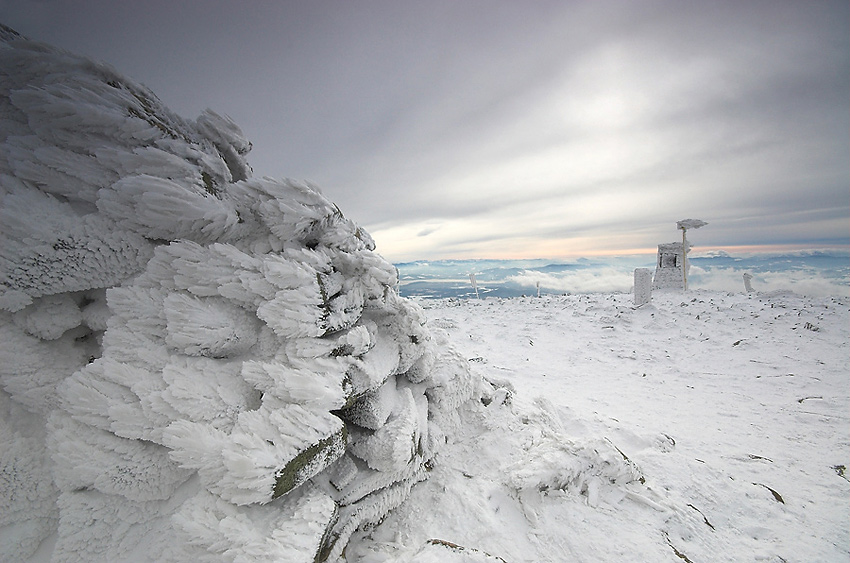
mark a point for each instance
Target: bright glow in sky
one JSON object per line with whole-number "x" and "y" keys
{"x": 500, "y": 128}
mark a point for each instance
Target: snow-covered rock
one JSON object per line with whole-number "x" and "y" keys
{"x": 217, "y": 359}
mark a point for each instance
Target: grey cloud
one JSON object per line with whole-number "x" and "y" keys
{"x": 441, "y": 113}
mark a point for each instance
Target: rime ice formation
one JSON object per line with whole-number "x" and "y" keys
{"x": 643, "y": 286}
{"x": 686, "y": 224}
{"x": 668, "y": 267}
{"x": 188, "y": 353}
{"x": 748, "y": 279}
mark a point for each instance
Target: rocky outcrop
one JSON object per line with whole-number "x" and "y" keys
{"x": 217, "y": 360}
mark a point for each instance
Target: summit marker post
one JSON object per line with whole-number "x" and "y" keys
{"x": 684, "y": 225}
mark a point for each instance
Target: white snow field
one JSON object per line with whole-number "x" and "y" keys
{"x": 199, "y": 365}
{"x": 733, "y": 408}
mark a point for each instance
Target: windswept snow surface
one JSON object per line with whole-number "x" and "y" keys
{"x": 734, "y": 408}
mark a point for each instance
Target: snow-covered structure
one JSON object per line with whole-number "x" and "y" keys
{"x": 188, "y": 352}
{"x": 642, "y": 286}
{"x": 671, "y": 268}
{"x": 668, "y": 266}
{"x": 748, "y": 282}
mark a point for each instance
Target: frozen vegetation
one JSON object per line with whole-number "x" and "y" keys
{"x": 199, "y": 365}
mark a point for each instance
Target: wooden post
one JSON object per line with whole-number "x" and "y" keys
{"x": 686, "y": 224}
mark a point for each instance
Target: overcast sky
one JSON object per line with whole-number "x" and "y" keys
{"x": 473, "y": 129}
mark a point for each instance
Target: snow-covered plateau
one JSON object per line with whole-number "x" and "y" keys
{"x": 200, "y": 365}
{"x": 733, "y": 409}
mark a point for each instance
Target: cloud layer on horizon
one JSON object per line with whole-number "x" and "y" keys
{"x": 472, "y": 129}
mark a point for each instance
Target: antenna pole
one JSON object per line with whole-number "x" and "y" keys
{"x": 684, "y": 260}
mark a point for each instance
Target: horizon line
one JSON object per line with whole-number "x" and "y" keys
{"x": 729, "y": 249}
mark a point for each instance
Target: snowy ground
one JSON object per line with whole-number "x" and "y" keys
{"x": 733, "y": 408}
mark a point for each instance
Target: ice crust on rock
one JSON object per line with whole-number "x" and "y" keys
{"x": 201, "y": 351}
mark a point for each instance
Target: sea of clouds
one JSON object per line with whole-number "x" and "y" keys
{"x": 812, "y": 273}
